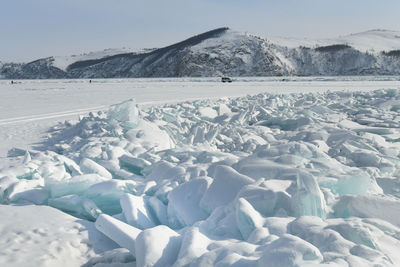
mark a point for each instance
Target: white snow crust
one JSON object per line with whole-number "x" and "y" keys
{"x": 299, "y": 179}
{"x": 43, "y": 236}
{"x": 62, "y": 62}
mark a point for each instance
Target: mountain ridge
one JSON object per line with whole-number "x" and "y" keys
{"x": 222, "y": 52}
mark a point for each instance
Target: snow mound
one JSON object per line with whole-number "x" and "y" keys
{"x": 267, "y": 180}
{"x": 43, "y": 236}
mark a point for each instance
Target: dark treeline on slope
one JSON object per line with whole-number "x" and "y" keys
{"x": 217, "y": 53}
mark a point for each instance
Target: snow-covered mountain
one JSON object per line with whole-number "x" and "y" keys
{"x": 373, "y": 41}
{"x": 226, "y": 52}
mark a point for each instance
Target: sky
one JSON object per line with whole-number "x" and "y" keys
{"x": 32, "y": 29}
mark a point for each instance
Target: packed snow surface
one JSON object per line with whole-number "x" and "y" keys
{"x": 43, "y": 236}
{"x": 299, "y": 179}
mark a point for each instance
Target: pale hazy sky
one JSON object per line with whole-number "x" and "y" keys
{"x": 31, "y": 29}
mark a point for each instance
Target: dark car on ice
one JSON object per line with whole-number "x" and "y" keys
{"x": 226, "y": 80}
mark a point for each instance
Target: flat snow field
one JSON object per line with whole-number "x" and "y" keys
{"x": 278, "y": 171}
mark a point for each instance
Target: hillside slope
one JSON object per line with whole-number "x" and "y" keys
{"x": 373, "y": 41}
{"x": 225, "y": 52}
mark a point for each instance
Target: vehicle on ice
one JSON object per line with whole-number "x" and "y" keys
{"x": 226, "y": 79}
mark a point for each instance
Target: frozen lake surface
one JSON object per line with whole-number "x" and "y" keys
{"x": 38, "y": 98}
{"x": 280, "y": 171}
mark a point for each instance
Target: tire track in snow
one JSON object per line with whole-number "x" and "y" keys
{"x": 49, "y": 115}
{"x": 84, "y": 111}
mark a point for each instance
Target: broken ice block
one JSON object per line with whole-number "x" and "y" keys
{"x": 89, "y": 166}
{"x": 227, "y": 183}
{"x": 157, "y": 247}
{"x": 132, "y": 164}
{"x": 290, "y": 250}
{"x": 121, "y": 233}
{"x": 75, "y": 185}
{"x": 247, "y": 218}
{"x": 107, "y": 194}
{"x": 78, "y": 206}
{"x": 136, "y": 211}
{"x": 125, "y": 113}
{"x": 184, "y": 201}
{"x": 308, "y": 200}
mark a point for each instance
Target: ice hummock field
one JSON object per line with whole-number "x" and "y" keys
{"x": 275, "y": 173}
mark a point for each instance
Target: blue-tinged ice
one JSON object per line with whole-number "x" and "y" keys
{"x": 308, "y": 199}
{"x": 125, "y": 113}
{"x": 77, "y": 206}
